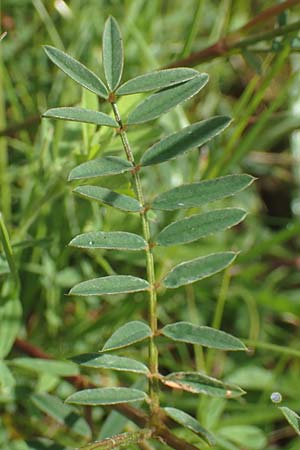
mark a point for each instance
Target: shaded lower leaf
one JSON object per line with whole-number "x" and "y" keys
{"x": 198, "y": 383}
{"x": 104, "y": 361}
{"x": 292, "y": 418}
{"x": 162, "y": 101}
{"x": 100, "y": 167}
{"x": 197, "y": 269}
{"x": 103, "y": 195}
{"x": 63, "y": 414}
{"x": 198, "y": 194}
{"x": 111, "y": 240}
{"x": 113, "y": 284}
{"x": 186, "y": 139}
{"x": 128, "y": 334}
{"x": 241, "y": 434}
{"x": 201, "y": 335}
{"x": 195, "y": 227}
{"x": 81, "y": 115}
{"x": 106, "y": 396}
{"x": 189, "y": 422}
{"x": 57, "y": 368}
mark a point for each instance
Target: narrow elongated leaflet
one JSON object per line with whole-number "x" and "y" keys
{"x": 195, "y": 227}
{"x": 112, "y": 53}
{"x": 113, "y": 284}
{"x": 77, "y": 71}
{"x": 81, "y": 115}
{"x": 51, "y": 367}
{"x": 62, "y": 413}
{"x": 197, "y": 269}
{"x": 159, "y": 79}
{"x": 189, "y": 422}
{"x": 112, "y": 198}
{"x": 106, "y": 396}
{"x": 119, "y": 240}
{"x": 292, "y": 417}
{"x": 190, "y": 137}
{"x": 128, "y": 334}
{"x": 198, "y": 383}
{"x": 206, "y": 336}
{"x": 104, "y": 361}
{"x": 100, "y": 167}
{"x": 162, "y": 101}
{"x": 198, "y": 194}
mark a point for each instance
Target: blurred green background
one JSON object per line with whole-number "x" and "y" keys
{"x": 254, "y": 77}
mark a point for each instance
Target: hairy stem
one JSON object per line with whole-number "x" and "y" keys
{"x": 153, "y": 353}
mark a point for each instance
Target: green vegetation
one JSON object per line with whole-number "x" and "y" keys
{"x": 147, "y": 367}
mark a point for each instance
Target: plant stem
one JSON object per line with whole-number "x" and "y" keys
{"x": 153, "y": 353}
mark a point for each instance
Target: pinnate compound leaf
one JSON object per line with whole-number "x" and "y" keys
{"x": 112, "y": 53}
{"x": 106, "y": 396}
{"x": 112, "y": 284}
{"x": 63, "y": 414}
{"x": 100, "y": 167}
{"x": 105, "y": 361}
{"x": 189, "y": 422}
{"x": 108, "y": 197}
{"x": 292, "y": 417}
{"x": 201, "y": 335}
{"x": 198, "y": 383}
{"x": 154, "y": 81}
{"x": 197, "y": 269}
{"x": 81, "y": 115}
{"x": 77, "y": 71}
{"x": 195, "y": 227}
{"x": 190, "y": 137}
{"x": 119, "y": 240}
{"x": 198, "y": 194}
{"x": 162, "y": 101}
{"x": 128, "y": 334}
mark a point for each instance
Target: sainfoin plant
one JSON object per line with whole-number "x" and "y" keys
{"x": 168, "y": 88}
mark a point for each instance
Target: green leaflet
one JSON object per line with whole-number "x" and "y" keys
{"x": 154, "y": 81}
{"x": 10, "y": 319}
{"x": 104, "y": 361}
{"x": 195, "y": 227}
{"x": 239, "y": 434}
{"x": 103, "y": 195}
{"x": 81, "y": 115}
{"x": 128, "y": 334}
{"x": 106, "y": 396}
{"x": 198, "y": 194}
{"x": 196, "y": 269}
{"x": 62, "y": 413}
{"x": 39, "y": 365}
{"x": 112, "y": 284}
{"x": 162, "y": 101}
{"x": 100, "y": 167}
{"x": 201, "y": 335}
{"x": 190, "y": 137}
{"x": 292, "y": 418}
{"x": 118, "y": 240}
{"x": 189, "y": 422}
{"x": 77, "y": 71}
{"x": 198, "y": 383}
{"x": 112, "y": 52}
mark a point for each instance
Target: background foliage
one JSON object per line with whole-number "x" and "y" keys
{"x": 256, "y": 82}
